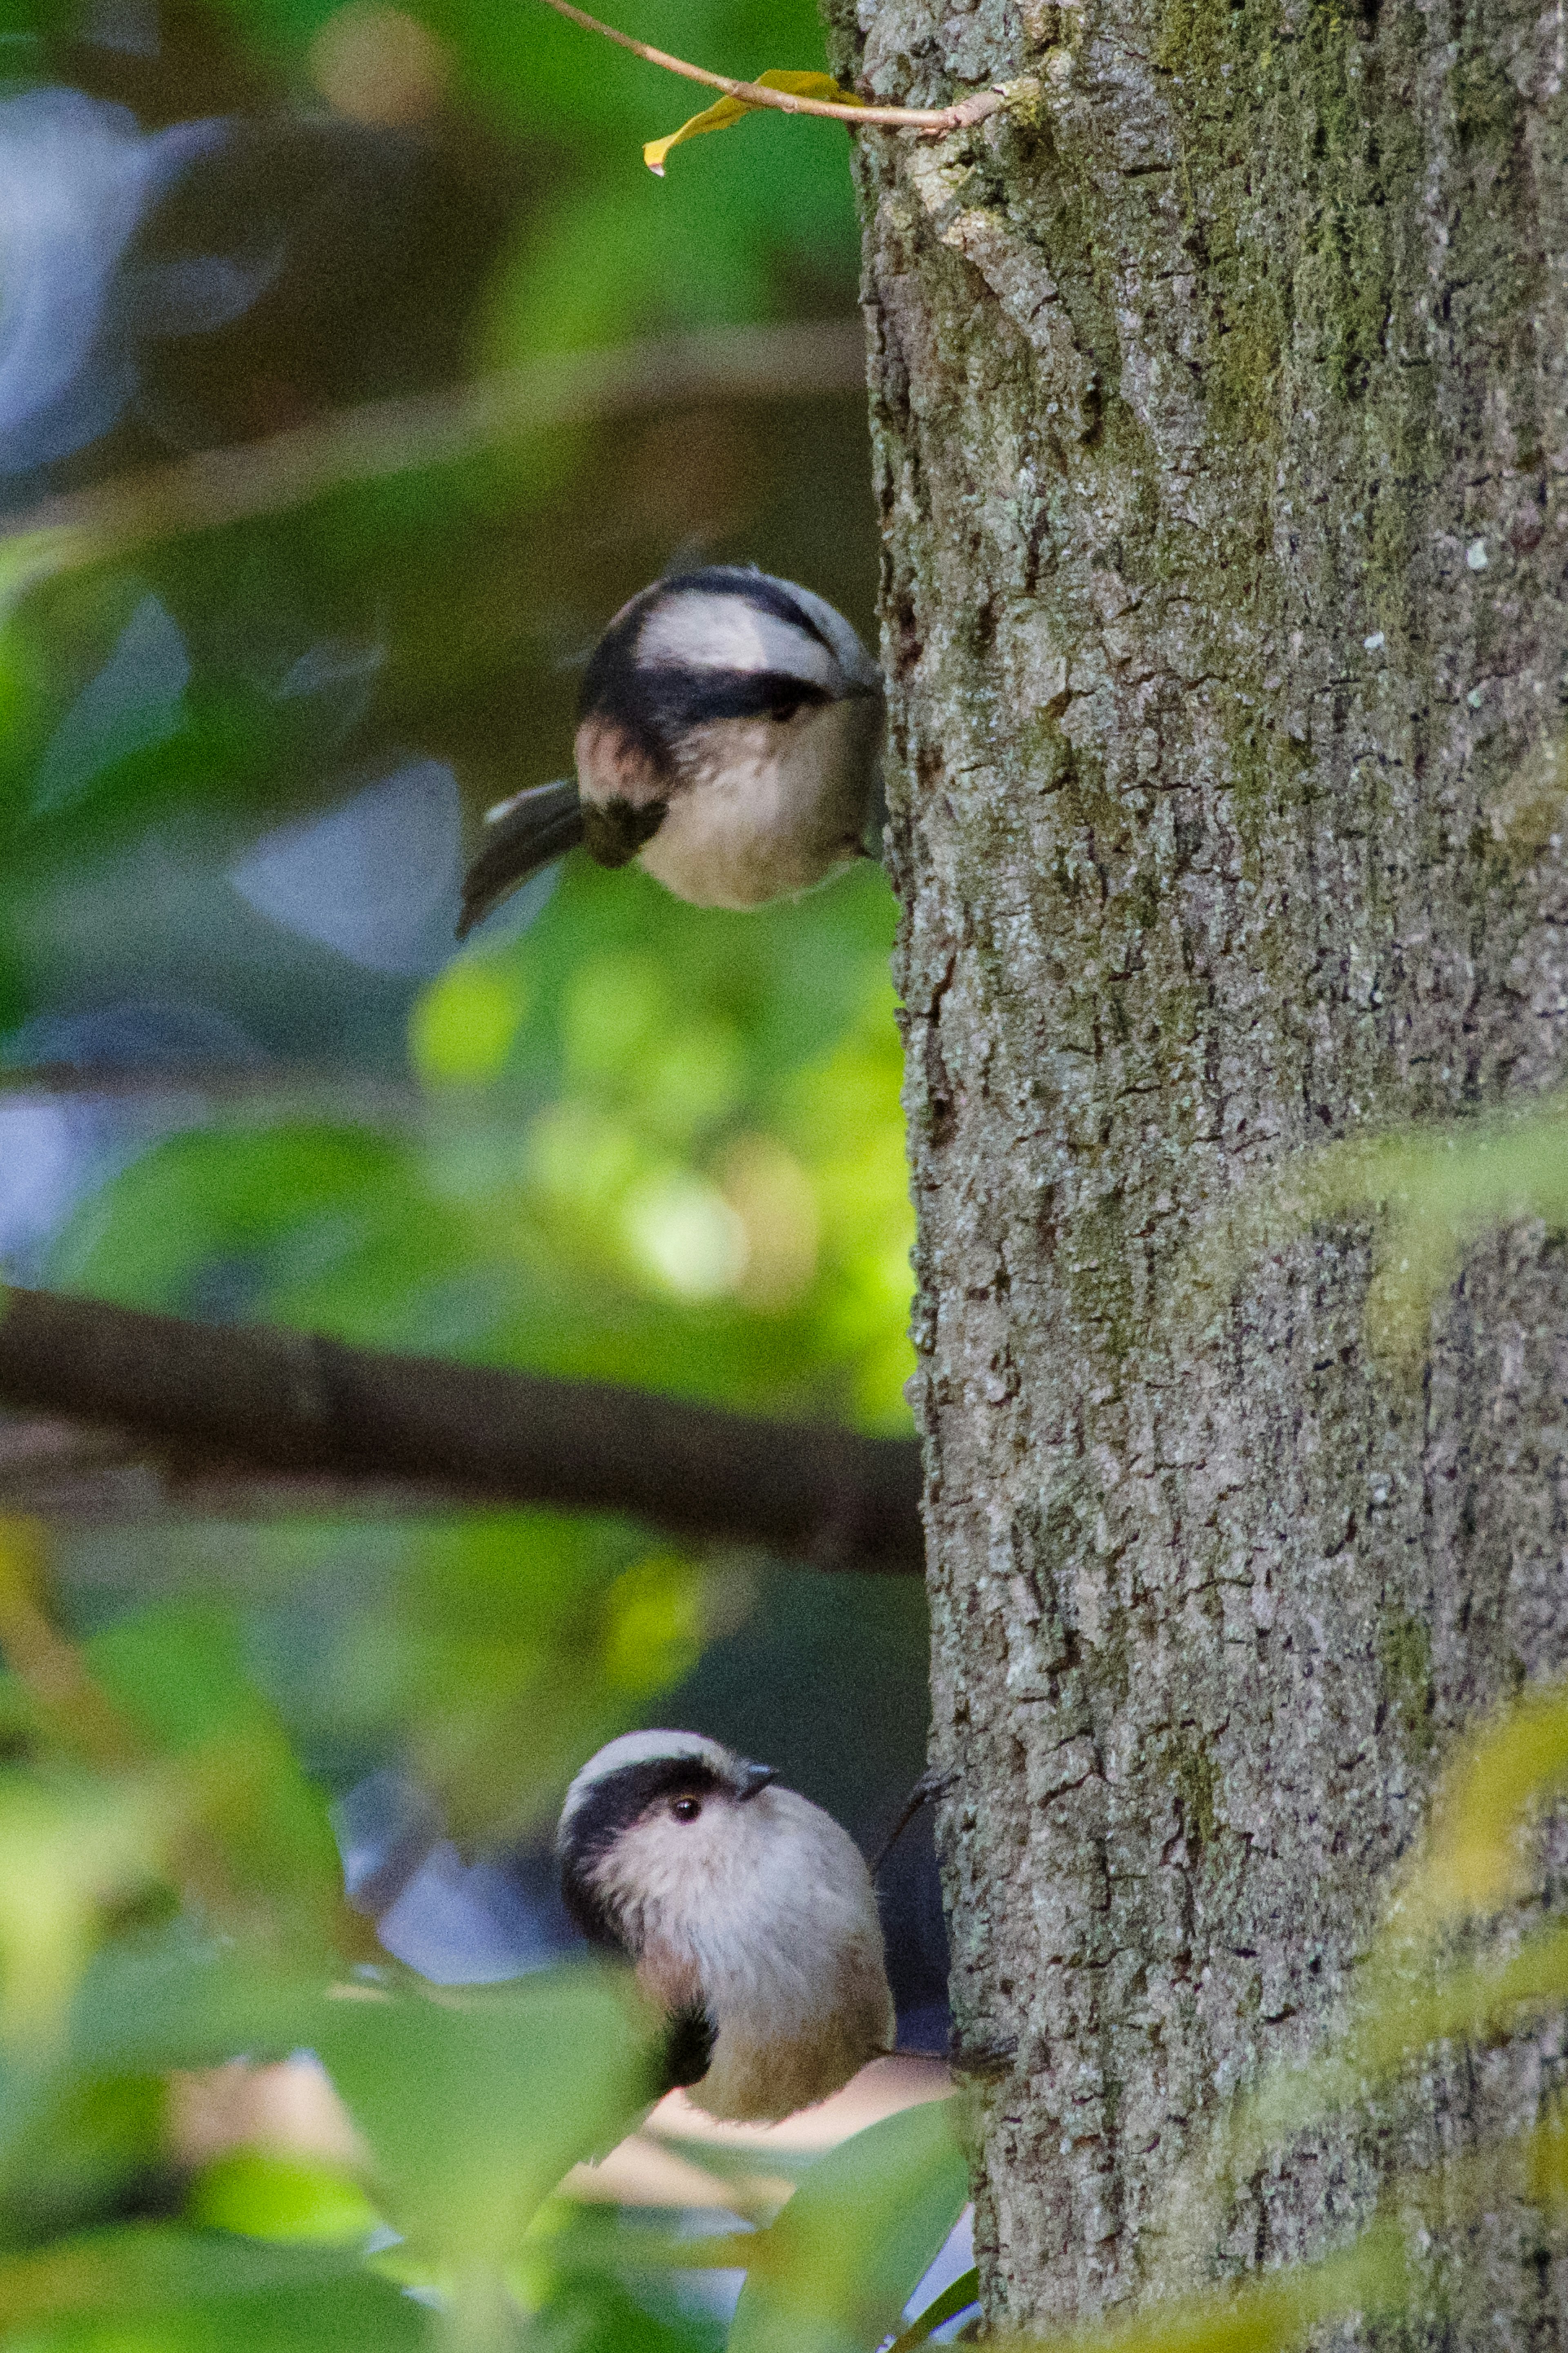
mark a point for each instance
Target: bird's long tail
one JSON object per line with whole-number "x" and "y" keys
{"x": 523, "y": 834}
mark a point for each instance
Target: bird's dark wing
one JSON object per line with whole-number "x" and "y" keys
{"x": 524, "y": 833}
{"x": 689, "y": 2048}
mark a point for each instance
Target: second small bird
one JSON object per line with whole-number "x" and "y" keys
{"x": 748, "y": 1912}
{"x": 728, "y": 738}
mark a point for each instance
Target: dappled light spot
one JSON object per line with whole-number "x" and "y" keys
{"x": 686, "y": 1235}
{"x": 655, "y": 1623}
{"x": 377, "y": 65}
{"x": 775, "y": 1201}
{"x": 464, "y": 1024}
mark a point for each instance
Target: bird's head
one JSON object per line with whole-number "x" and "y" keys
{"x": 728, "y": 733}
{"x": 729, "y": 738}
{"x": 655, "y": 1823}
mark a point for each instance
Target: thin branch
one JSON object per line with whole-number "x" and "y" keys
{"x": 238, "y": 1403}
{"x": 391, "y": 436}
{"x": 931, "y": 120}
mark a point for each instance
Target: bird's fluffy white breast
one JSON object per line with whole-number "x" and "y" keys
{"x": 809, "y": 1893}
{"x": 765, "y": 808}
{"x": 759, "y": 1902}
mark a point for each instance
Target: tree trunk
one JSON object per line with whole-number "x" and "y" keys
{"x": 1219, "y": 410}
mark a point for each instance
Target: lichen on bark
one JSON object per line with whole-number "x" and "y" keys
{"x": 1220, "y": 438}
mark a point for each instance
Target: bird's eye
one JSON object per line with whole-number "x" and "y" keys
{"x": 686, "y": 1810}
{"x": 784, "y": 708}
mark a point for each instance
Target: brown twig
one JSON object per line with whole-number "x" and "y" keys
{"x": 932, "y": 1784}
{"x": 390, "y": 437}
{"x": 931, "y": 120}
{"x": 289, "y": 1407}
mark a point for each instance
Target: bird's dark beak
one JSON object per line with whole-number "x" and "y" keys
{"x": 754, "y": 1777}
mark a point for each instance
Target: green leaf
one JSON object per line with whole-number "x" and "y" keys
{"x": 956, "y": 2298}
{"x": 146, "y": 2268}
{"x": 177, "y": 1672}
{"x": 836, "y": 2270}
{"x": 303, "y": 2201}
{"x": 477, "y": 2101}
{"x": 730, "y": 110}
{"x": 160, "y": 2001}
{"x": 67, "y": 1846}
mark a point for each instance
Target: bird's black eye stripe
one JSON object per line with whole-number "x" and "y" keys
{"x": 661, "y": 706}
{"x": 613, "y": 1804}
{"x": 696, "y": 695}
{"x": 606, "y": 1809}
{"x": 654, "y": 705}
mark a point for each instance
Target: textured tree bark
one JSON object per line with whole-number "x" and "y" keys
{"x": 1220, "y": 438}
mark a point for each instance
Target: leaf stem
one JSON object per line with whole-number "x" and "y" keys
{"x": 928, "y": 119}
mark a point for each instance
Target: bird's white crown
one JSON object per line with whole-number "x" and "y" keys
{"x": 645, "y": 1748}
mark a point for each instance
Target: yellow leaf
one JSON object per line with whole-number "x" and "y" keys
{"x": 730, "y": 110}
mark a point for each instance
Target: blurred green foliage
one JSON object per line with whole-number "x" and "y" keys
{"x": 635, "y": 1142}
{"x": 638, "y": 1142}
{"x": 649, "y": 1142}
{"x": 641, "y": 1143}
{"x": 169, "y": 1896}
{"x": 598, "y": 262}
{"x": 179, "y": 1931}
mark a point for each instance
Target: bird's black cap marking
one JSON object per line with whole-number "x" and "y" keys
{"x": 608, "y": 1807}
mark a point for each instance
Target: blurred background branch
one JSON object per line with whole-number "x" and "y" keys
{"x": 379, "y": 438}
{"x": 254, "y": 1405}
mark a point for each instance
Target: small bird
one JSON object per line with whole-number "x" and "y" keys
{"x": 729, "y": 736}
{"x": 747, "y": 1910}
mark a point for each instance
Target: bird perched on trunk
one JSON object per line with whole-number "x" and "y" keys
{"x": 747, "y": 1910}
{"x": 728, "y": 738}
